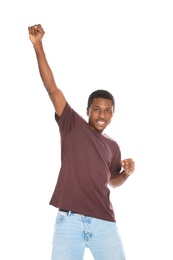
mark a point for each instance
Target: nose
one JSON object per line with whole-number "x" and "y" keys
{"x": 101, "y": 114}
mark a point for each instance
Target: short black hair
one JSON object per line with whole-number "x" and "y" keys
{"x": 100, "y": 93}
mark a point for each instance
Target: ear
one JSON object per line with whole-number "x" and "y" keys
{"x": 87, "y": 111}
{"x": 113, "y": 111}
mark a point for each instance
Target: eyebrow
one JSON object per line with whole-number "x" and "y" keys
{"x": 101, "y": 107}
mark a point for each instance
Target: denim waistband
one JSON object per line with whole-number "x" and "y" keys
{"x": 68, "y": 211}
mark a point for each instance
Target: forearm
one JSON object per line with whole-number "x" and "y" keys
{"x": 119, "y": 180}
{"x": 44, "y": 68}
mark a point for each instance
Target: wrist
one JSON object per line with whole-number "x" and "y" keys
{"x": 37, "y": 45}
{"x": 126, "y": 174}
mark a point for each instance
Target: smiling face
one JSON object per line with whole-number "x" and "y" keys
{"x": 100, "y": 113}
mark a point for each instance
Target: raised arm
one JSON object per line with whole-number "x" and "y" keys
{"x": 36, "y": 34}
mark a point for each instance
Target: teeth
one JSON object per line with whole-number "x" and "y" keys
{"x": 100, "y": 122}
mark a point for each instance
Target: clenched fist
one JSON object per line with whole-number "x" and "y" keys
{"x": 128, "y": 166}
{"x": 36, "y": 33}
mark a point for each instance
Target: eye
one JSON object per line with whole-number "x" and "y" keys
{"x": 108, "y": 111}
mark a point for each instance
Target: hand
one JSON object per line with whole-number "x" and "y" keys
{"x": 128, "y": 166}
{"x": 36, "y": 33}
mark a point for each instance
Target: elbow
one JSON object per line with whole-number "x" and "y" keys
{"x": 112, "y": 183}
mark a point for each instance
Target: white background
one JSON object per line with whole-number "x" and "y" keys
{"x": 125, "y": 47}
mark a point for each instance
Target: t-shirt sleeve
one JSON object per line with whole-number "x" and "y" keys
{"x": 116, "y": 163}
{"x": 67, "y": 121}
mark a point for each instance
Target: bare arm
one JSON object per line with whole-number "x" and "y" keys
{"x": 36, "y": 34}
{"x": 128, "y": 168}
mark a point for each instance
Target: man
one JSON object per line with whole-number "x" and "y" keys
{"x": 90, "y": 160}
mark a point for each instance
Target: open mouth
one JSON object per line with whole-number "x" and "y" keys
{"x": 101, "y": 123}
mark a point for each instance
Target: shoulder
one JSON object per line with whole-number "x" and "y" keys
{"x": 69, "y": 118}
{"x": 110, "y": 139}
{"x": 112, "y": 142}
{"x": 68, "y": 112}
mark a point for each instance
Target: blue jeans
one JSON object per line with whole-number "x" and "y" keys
{"x": 74, "y": 232}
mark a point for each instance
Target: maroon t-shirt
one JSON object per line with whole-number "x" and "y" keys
{"x": 88, "y": 160}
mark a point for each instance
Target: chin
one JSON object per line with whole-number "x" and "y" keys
{"x": 99, "y": 129}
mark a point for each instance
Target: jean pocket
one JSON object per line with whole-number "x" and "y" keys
{"x": 61, "y": 218}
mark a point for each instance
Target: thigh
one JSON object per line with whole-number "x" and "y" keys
{"x": 68, "y": 243}
{"x": 106, "y": 241}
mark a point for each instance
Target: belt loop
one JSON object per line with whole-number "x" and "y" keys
{"x": 69, "y": 213}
